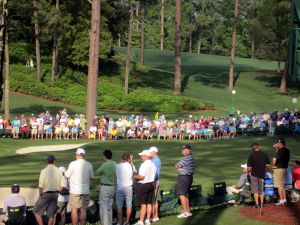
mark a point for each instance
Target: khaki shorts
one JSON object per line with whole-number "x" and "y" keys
{"x": 79, "y": 201}
{"x": 279, "y": 178}
{"x": 34, "y": 131}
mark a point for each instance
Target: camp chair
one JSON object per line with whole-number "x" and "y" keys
{"x": 220, "y": 195}
{"x": 195, "y": 196}
{"x": 16, "y": 215}
{"x": 169, "y": 202}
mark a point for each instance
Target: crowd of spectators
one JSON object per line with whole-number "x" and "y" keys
{"x": 64, "y": 126}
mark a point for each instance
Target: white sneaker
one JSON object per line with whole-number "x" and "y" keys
{"x": 188, "y": 214}
{"x": 281, "y": 202}
{"x": 147, "y": 222}
{"x": 156, "y": 219}
{"x": 139, "y": 223}
{"x": 181, "y": 215}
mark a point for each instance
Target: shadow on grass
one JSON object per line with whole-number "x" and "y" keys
{"x": 274, "y": 82}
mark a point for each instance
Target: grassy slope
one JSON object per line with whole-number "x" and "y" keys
{"x": 206, "y": 78}
{"x": 216, "y": 160}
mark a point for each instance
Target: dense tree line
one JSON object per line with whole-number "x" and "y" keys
{"x": 62, "y": 32}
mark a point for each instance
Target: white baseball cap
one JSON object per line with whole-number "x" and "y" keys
{"x": 153, "y": 149}
{"x": 80, "y": 151}
{"x": 62, "y": 169}
{"x": 145, "y": 152}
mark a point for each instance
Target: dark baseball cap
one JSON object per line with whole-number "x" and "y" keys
{"x": 280, "y": 140}
{"x": 15, "y": 188}
{"x": 51, "y": 158}
{"x": 187, "y": 146}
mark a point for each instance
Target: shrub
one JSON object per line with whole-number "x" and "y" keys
{"x": 72, "y": 89}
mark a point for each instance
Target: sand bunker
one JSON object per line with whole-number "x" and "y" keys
{"x": 48, "y": 148}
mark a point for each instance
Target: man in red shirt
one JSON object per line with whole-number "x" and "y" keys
{"x": 296, "y": 174}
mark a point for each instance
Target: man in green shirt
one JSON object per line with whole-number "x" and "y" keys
{"x": 107, "y": 171}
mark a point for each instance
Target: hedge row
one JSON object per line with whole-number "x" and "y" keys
{"x": 71, "y": 88}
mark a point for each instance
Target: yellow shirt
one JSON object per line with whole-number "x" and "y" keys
{"x": 51, "y": 179}
{"x": 71, "y": 122}
{"x": 113, "y": 132}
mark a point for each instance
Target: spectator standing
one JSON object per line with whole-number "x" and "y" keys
{"x": 50, "y": 183}
{"x": 16, "y": 127}
{"x": 145, "y": 188}
{"x": 156, "y": 160}
{"x": 107, "y": 187}
{"x": 258, "y": 164}
{"x": 185, "y": 169}
{"x": 15, "y": 200}
{"x": 124, "y": 172}
{"x": 63, "y": 198}
{"x": 79, "y": 172}
{"x": 280, "y": 164}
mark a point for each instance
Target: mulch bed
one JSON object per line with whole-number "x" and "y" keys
{"x": 285, "y": 215}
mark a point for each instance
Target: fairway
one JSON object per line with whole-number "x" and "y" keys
{"x": 216, "y": 160}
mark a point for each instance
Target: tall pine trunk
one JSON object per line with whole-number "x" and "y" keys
{"x": 177, "y": 80}
{"x": 142, "y": 53}
{"x": 3, "y": 17}
{"x": 7, "y": 80}
{"x": 232, "y": 55}
{"x": 119, "y": 40}
{"x": 37, "y": 44}
{"x": 93, "y": 70}
{"x": 162, "y": 26}
{"x": 199, "y": 47}
{"x": 283, "y": 83}
{"x": 252, "y": 47}
{"x": 190, "y": 43}
{"x": 128, "y": 56}
{"x": 55, "y": 49}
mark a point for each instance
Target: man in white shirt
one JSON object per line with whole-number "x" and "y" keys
{"x": 124, "y": 173}
{"x": 80, "y": 172}
{"x": 145, "y": 188}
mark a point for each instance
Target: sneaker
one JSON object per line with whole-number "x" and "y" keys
{"x": 188, "y": 214}
{"x": 156, "y": 219}
{"x": 182, "y": 215}
{"x": 139, "y": 223}
{"x": 280, "y": 203}
{"x": 256, "y": 206}
{"x": 147, "y": 222}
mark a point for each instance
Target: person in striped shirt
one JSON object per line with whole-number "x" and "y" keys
{"x": 185, "y": 169}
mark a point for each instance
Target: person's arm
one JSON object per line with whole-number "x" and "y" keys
{"x": 92, "y": 173}
{"x": 100, "y": 170}
{"x": 179, "y": 165}
{"x": 41, "y": 182}
{"x": 141, "y": 175}
{"x": 274, "y": 163}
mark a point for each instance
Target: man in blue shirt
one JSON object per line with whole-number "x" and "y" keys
{"x": 155, "y": 159}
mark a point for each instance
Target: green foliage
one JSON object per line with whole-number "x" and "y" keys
{"x": 71, "y": 88}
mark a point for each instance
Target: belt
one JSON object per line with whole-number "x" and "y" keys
{"x": 51, "y": 191}
{"x": 107, "y": 184}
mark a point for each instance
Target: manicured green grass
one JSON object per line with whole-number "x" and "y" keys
{"x": 206, "y": 77}
{"x": 216, "y": 160}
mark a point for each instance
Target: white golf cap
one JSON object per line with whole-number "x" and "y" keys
{"x": 80, "y": 151}
{"x": 62, "y": 169}
{"x": 153, "y": 149}
{"x": 145, "y": 152}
